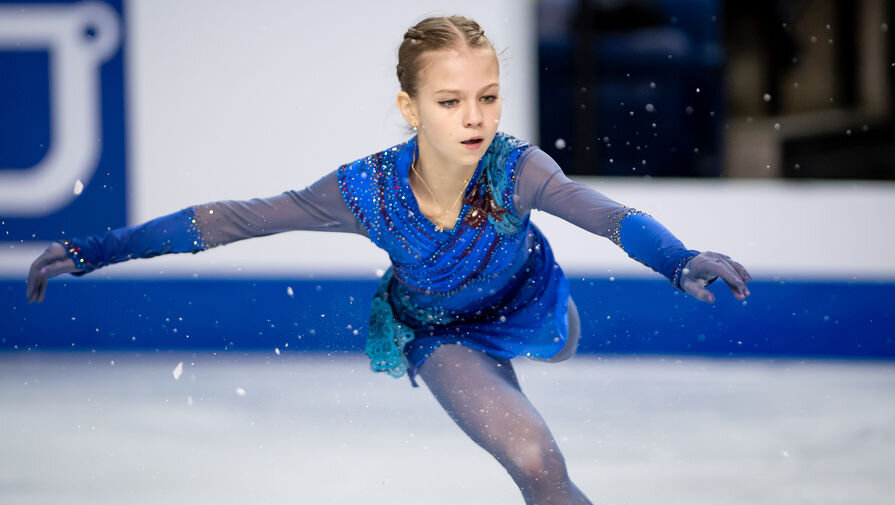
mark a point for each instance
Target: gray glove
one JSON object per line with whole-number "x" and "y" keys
{"x": 51, "y": 263}
{"x": 705, "y": 268}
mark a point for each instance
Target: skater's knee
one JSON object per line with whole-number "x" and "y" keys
{"x": 537, "y": 461}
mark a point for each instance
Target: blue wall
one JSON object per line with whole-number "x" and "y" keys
{"x": 830, "y": 319}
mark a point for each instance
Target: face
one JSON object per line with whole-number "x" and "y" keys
{"x": 457, "y": 105}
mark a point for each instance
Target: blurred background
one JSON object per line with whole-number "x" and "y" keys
{"x": 759, "y": 129}
{"x": 788, "y": 88}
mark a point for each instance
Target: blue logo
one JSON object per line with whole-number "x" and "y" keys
{"x": 62, "y": 119}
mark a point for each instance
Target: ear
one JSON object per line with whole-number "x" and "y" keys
{"x": 408, "y": 109}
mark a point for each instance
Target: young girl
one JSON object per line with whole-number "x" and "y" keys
{"x": 473, "y": 283}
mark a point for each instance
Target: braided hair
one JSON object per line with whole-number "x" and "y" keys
{"x": 433, "y": 34}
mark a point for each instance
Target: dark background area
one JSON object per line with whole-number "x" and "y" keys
{"x": 685, "y": 87}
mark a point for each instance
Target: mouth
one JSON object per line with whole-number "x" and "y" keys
{"x": 472, "y": 143}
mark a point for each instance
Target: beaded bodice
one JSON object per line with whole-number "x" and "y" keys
{"x": 487, "y": 239}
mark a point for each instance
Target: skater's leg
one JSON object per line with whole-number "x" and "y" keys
{"x": 482, "y": 395}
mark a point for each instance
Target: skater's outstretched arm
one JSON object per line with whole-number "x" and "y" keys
{"x": 194, "y": 229}
{"x": 541, "y": 184}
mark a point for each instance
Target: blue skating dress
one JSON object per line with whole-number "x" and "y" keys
{"x": 489, "y": 283}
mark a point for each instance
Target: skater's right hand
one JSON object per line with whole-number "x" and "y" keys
{"x": 51, "y": 263}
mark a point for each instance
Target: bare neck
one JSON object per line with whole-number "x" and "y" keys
{"x": 445, "y": 179}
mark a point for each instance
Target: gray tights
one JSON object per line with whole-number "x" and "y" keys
{"x": 483, "y": 396}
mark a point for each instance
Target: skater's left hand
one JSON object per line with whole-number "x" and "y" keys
{"x": 706, "y": 268}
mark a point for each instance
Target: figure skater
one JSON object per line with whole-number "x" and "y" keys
{"x": 472, "y": 283}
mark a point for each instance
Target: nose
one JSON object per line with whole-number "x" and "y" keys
{"x": 473, "y": 115}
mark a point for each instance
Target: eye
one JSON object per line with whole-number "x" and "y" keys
{"x": 449, "y": 103}
{"x": 489, "y": 98}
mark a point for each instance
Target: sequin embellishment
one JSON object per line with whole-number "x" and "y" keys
{"x": 191, "y": 214}
{"x": 615, "y": 222}
{"x": 679, "y": 270}
{"x": 493, "y": 196}
{"x": 73, "y": 251}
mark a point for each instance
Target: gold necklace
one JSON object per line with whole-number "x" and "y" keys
{"x": 464, "y": 181}
{"x": 440, "y": 225}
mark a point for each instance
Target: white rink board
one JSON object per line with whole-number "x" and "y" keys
{"x": 816, "y": 230}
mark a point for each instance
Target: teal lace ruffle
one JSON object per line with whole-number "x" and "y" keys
{"x": 508, "y": 225}
{"x": 500, "y": 151}
{"x": 387, "y": 337}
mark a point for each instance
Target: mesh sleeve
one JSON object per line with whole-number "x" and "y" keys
{"x": 541, "y": 184}
{"x": 194, "y": 229}
{"x": 318, "y": 207}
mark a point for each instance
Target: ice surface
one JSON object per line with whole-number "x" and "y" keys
{"x": 324, "y": 429}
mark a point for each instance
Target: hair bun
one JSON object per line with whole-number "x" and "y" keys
{"x": 414, "y": 33}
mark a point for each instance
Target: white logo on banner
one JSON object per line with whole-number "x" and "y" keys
{"x": 75, "y": 61}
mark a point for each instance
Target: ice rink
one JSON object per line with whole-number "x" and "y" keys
{"x": 117, "y": 112}
{"x": 268, "y": 428}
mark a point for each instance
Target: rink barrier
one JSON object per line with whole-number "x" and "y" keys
{"x": 628, "y": 316}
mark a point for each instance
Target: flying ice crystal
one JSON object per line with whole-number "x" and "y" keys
{"x": 178, "y": 371}
{"x": 240, "y": 391}
{"x": 79, "y": 186}
{"x": 189, "y": 400}
{"x": 650, "y": 107}
{"x": 289, "y": 291}
{"x": 767, "y": 97}
{"x": 276, "y": 350}
{"x": 560, "y": 143}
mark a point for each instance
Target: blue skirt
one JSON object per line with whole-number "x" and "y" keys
{"x": 531, "y": 319}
